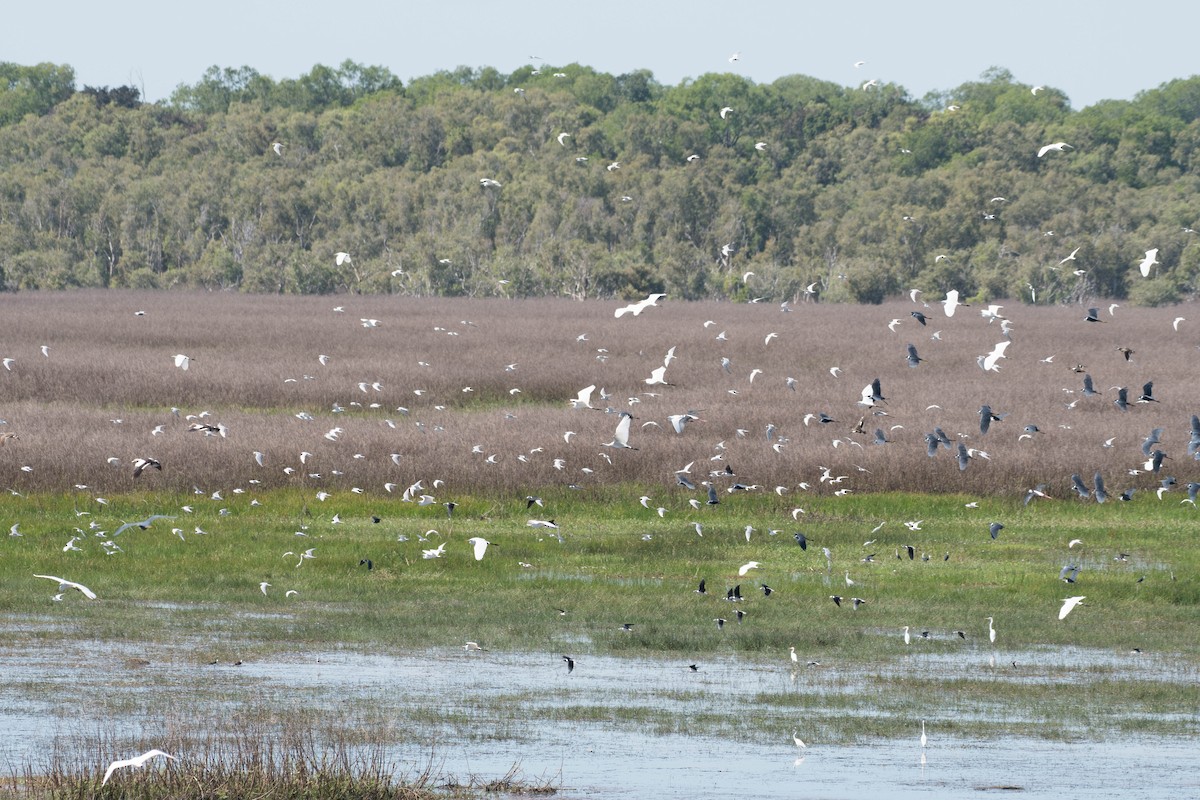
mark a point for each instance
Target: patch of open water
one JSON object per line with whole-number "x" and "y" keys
{"x": 485, "y": 711}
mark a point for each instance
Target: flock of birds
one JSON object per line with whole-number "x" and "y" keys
{"x": 716, "y": 485}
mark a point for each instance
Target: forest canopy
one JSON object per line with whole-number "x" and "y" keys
{"x": 565, "y": 181}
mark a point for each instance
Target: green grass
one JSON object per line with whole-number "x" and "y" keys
{"x": 199, "y": 600}
{"x": 605, "y": 573}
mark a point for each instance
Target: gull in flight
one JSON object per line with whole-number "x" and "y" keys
{"x": 136, "y": 761}
{"x": 182, "y": 361}
{"x": 64, "y": 584}
{"x": 1059, "y": 146}
{"x": 342, "y": 258}
{"x": 562, "y": 136}
{"x": 277, "y": 147}
{"x": 726, "y": 111}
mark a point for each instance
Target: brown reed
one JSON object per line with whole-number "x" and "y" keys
{"x": 109, "y": 380}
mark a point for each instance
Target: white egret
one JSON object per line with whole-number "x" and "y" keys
{"x": 480, "y": 544}
{"x": 1069, "y": 603}
{"x": 1148, "y": 261}
{"x": 621, "y": 435}
{"x": 136, "y": 761}
{"x": 640, "y": 306}
{"x": 1058, "y": 146}
{"x": 64, "y": 584}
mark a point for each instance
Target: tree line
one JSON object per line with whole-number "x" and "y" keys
{"x": 566, "y": 181}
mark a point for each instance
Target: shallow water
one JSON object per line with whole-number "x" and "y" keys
{"x": 712, "y": 732}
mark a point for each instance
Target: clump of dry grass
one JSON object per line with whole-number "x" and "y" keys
{"x": 432, "y": 383}
{"x": 254, "y": 755}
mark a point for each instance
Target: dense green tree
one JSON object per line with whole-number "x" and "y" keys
{"x": 564, "y": 180}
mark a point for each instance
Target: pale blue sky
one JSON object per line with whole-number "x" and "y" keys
{"x": 1091, "y": 50}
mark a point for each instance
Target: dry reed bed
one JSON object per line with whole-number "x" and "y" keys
{"x": 109, "y": 380}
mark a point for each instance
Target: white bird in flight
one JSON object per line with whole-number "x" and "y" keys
{"x": 64, "y": 584}
{"x": 136, "y": 761}
{"x": 1068, "y": 604}
{"x": 480, "y": 544}
{"x": 342, "y": 258}
{"x": 182, "y": 361}
{"x": 638, "y": 307}
{"x": 1059, "y": 146}
{"x": 1149, "y": 261}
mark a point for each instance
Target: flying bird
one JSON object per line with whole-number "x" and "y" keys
{"x": 480, "y": 544}
{"x": 621, "y": 435}
{"x": 182, "y": 361}
{"x": 64, "y": 584}
{"x": 951, "y": 302}
{"x": 136, "y": 761}
{"x": 638, "y": 307}
{"x": 1150, "y": 259}
{"x": 1058, "y": 146}
{"x": 1068, "y": 605}
{"x": 142, "y": 464}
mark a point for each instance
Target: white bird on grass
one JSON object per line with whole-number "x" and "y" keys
{"x": 136, "y": 761}
{"x": 64, "y": 584}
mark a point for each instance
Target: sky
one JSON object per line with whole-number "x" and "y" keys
{"x": 1091, "y": 51}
